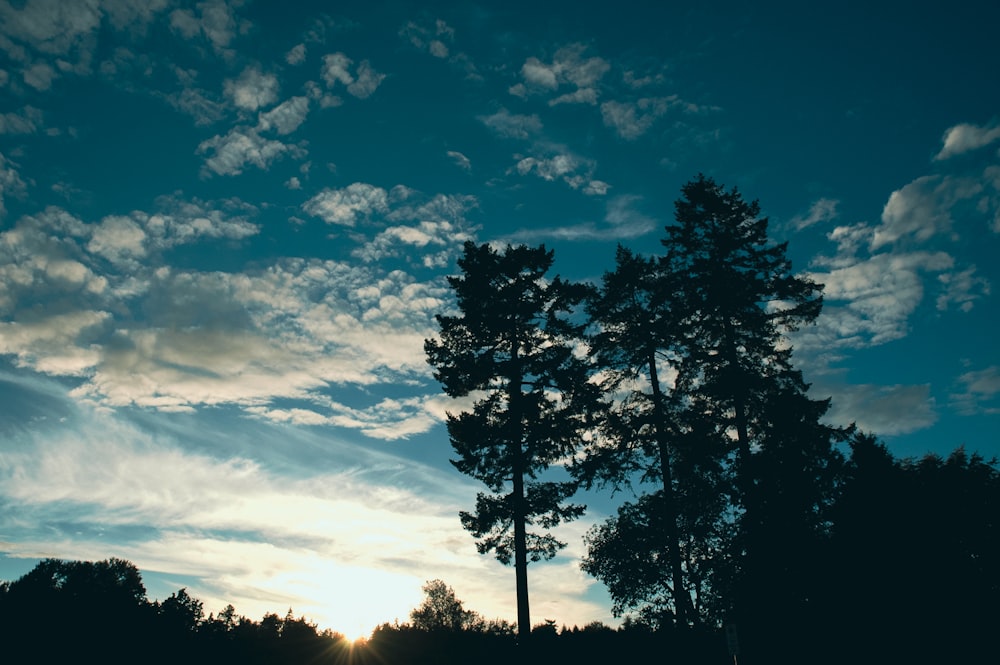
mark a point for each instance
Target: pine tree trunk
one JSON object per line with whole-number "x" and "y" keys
{"x": 520, "y": 529}
{"x": 672, "y": 535}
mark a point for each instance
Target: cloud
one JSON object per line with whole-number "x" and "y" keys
{"x": 286, "y": 117}
{"x": 27, "y": 121}
{"x": 966, "y": 137}
{"x": 198, "y": 105}
{"x": 49, "y": 38}
{"x": 512, "y": 125}
{"x": 978, "y": 391}
{"x": 922, "y": 209}
{"x": 630, "y": 120}
{"x": 869, "y": 302}
{"x": 558, "y": 163}
{"x": 345, "y": 206}
{"x": 822, "y": 210}
{"x": 568, "y": 67}
{"x": 439, "y": 231}
{"x": 214, "y": 20}
{"x": 883, "y": 410}
{"x": 622, "y": 220}
{"x": 252, "y": 90}
{"x": 336, "y": 69}
{"x": 430, "y": 38}
{"x": 242, "y": 146}
{"x": 11, "y": 183}
{"x": 367, "y": 81}
{"x": 296, "y": 55}
{"x": 460, "y": 160}
{"x": 962, "y": 288}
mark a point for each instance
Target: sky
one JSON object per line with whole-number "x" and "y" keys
{"x": 225, "y": 228}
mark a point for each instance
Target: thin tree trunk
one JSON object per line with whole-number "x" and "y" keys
{"x": 672, "y": 536}
{"x": 520, "y": 529}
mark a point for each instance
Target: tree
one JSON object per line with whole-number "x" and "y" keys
{"x": 648, "y": 433}
{"x": 514, "y": 350}
{"x": 441, "y": 610}
{"x": 735, "y": 299}
{"x": 181, "y": 612}
{"x": 709, "y": 408}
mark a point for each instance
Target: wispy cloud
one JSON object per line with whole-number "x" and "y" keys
{"x": 460, "y": 160}
{"x": 430, "y": 37}
{"x": 883, "y": 410}
{"x": 978, "y": 392}
{"x": 623, "y": 220}
{"x": 11, "y": 183}
{"x": 336, "y": 521}
{"x": 822, "y": 210}
{"x": 966, "y": 137}
{"x": 512, "y": 125}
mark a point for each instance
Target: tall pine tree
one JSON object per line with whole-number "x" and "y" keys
{"x": 515, "y": 349}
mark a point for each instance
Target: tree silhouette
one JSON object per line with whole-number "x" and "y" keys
{"x": 441, "y": 610}
{"x": 651, "y": 432}
{"x": 513, "y": 349}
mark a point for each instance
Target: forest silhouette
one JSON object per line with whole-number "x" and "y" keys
{"x": 753, "y": 530}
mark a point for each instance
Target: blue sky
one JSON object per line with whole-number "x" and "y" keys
{"x": 225, "y": 228}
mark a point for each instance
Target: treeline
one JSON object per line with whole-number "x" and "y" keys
{"x": 672, "y": 381}
{"x": 81, "y": 611}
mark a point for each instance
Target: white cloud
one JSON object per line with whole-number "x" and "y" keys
{"x": 231, "y": 153}
{"x": 560, "y": 164}
{"x": 344, "y": 206}
{"x": 966, "y": 137}
{"x": 630, "y": 120}
{"x": 622, "y": 220}
{"x": 336, "y": 69}
{"x": 568, "y": 67}
{"x": 286, "y": 117}
{"x": 512, "y": 125}
{"x": 367, "y": 81}
{"x": 869, "y": 302}
{"x": 596, "y": 188}
{"x": 252, "y": 90}
{"x": 460, "y": 160}
{"x": 296, "y": 55}
{"x": 920, "y": 209}
{"x": 293, "y": 183}
{"x": 118, "y": 239}
{"x": 822, "y": 210}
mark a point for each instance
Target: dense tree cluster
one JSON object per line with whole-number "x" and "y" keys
{"x": 673, "y": 379}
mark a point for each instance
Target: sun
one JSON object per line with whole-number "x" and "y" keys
{"x": 353, "y": 600}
